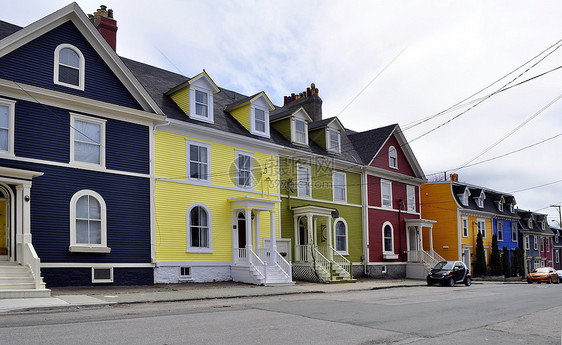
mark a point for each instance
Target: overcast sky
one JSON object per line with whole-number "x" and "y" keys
{"x": 377, "y": 63}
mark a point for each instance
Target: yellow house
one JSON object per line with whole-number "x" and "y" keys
{"x": 461, "y": 211}
{"x": 216, "y": 196}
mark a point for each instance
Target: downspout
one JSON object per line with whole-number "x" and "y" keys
{"x": 365, "y": 220}
{"x": 153, "y": 191}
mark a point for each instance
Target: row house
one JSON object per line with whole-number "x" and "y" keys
{"x": 463, "y": 211}
{"x": 556, "y": 246}
{"x": 75, "y": 157}
{"x": 536, "y": 240}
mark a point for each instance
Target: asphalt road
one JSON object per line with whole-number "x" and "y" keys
{"x": 479, "y": 314}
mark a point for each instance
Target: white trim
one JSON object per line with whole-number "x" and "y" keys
{"x": 346, "y": 250}
{"x": 11, "y": 104}
{"x": 392, "y": 153}
{"x": 253, "y": 129}
{"x": 329, "y": 148}
{"x": 110, "y": 280}
{"x": 193, "y": 263}
{"x": 308, "y": 180}
{"x": 527, "y": 242}
{"x": 294, "y": 131}
{"x": 93, "y": 120}
{"x": 90, "y": 168}
{"x": 239, "y": 153}
{"x": 382, "y": 193}
{"x": 79, "y": 247}
{"x": 212, "y": 186}
{"x": 463, "y": 219}
{"x": 384, "y": 251}
{"x": 499, "y": 224}
{"x": 191, "y": 249}
{"x": 81, "y": 67}
{"x": 392, "y": 210}
{"x": 190, "y": 142}
{"x": 91, "y": 264}
{"x": 192, "y": 104}
{"x": 483, "y": 230}
{"x": 70, "y": 102}
{"x": 411, "y": 204}
{"x": 321, "y": 201}
{"x": 335, "y": 185}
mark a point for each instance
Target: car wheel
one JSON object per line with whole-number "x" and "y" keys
{"x": 429, "y": 282}
{"x": 450, "y": 282}
{"x": 468, "y": 281}
{"x": 529, "y": 282}
{"x": 549, "y": 280}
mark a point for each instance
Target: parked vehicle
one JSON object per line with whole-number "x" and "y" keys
{"x": 543, "y": 274}
{"x": 559, "y": 276}
{"x": 448, "y": 273}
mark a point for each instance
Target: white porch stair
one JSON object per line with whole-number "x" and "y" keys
{"x": 262, "y": 269}
{"x": 420, "y": 263}
{"x": 17, "y": 281}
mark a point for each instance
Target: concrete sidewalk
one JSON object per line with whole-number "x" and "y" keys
{"x": 69, "y": 297}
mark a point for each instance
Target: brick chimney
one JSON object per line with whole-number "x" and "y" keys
{"x": 454, "y": 177}
{"x": 309, "y": 100}
{"x": 106, "y": 25}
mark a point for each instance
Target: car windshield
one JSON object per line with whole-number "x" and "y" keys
{"x": 444, "y": 265}
{"x": 541, "y": 270}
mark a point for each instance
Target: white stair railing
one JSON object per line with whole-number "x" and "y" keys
{"x": 302, "y": 253}
{"x": 240, "y": 256}
{"x": 342, "y": 262}
{"x": 31, "y": 260}
{"x": 276, "y": 260}
{"x": 257, "y": 264}
{"x": 322, "y": 262}
{"x": 285, "y": 266}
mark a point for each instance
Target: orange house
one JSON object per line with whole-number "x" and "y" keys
{"x": 461, "y": 211}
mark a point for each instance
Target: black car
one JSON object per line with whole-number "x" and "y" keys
{"x": 448, "y": 273}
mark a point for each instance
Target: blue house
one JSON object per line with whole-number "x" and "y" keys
{"x": 76, "y": 136}
{"x": 504, "y": 222}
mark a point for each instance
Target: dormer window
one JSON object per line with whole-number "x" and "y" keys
{"x": 464, "y": 197}
{"x": 392, "y": 157}
{"x": 259, "y": 121}
{"x": 543, "y": 225}
{"x": 530, "y": 223}
{"x": 201, "y": 104}
{"x": 69, "y": 67}
{"x": 500, "y": 206}
{"x": 511, "y": 208}
{"x": 480, "y": 199}
{"x": 300, "y": 131}
{"x": 333, "y": 137}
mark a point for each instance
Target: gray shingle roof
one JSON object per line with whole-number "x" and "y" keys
{"x": 368, "y": 143}
{"x": 6, "y": 29}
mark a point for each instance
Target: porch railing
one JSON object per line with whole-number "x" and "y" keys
{"x": 276, "y": 260}
{"x": 337, "y": 259}
{"x": 240, "y": 256}
{"x": 257, "y": 264}
{"x": 322, "y": 261}
{"x": 302, "y": 253}
{"x": 31, "y": 260}
{"x": 431, "y": 258}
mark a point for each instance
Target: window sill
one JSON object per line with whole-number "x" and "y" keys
{"x": 341, "y": 252}
{"x": 202, "y": 119}
{"x": 199, "y": 250}
{"x": 390, "y": 256}
{"x": 86, "y": 249}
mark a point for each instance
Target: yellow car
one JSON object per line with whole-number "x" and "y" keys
{"x": 543, "y": 274}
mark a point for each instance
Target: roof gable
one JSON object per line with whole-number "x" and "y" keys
{"x": 63, "y": 19}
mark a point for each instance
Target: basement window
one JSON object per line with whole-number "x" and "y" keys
{"x": 185, "y": 273}
{"x": 102, "y": 274}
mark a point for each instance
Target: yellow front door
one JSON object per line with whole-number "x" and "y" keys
{"x": 3, "y": 228}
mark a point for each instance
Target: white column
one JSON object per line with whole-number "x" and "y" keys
{"x": 297, "y": 239}
{"x": 431, "y": 238}
{"x": 19, "y": 223}
{"x": 272, "y": 237}
{"x": 257, "y": 239}
{"x": 310, "y": 226}
{"x": 248, "y": 216}
{"x": 27, "y": 213}
{"x": 329, "y": 235}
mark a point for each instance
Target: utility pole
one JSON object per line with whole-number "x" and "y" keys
{"x": 557, "y": 231}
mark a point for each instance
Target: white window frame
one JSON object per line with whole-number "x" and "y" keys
{"x": 188, "y": 161}
{"x": 535, "y": 243}
{"x": 98, "y": 281}
{"x": 411, "y": 198}
{"x": 239, "y": 153}
{"x": 557, "y": 255}
{"x": 306, "y": 182}
{"x": 513, "y": 232}
{"x": 81, "y": 68}
{"x": 81, "y": 247}
{"x": 338, "y": 186}
{"x": 93, "y": 120}
{"x": 500, "y": 206}
{"x": 329, "y": 147}
{"x": 345, "y": 251}
{"x": 527, "y": 242}
{"x": 189, "y": 248}
{"x": 541, "y": 240}
{"x": 383, "y": 182}
{"x": 388, "y": 254}
{"x": 464, "y": 197}
{"x": 547, "y": 244}
{"x": 482, "y": 228}
{"x": 253, "y": 120}
{"x": 511, "y": 208}
{"x": 11, "y": 125}
{"x": 294, "y": 131}
{"x": 464, "y": 226}
{"x": 499, "y": 227}
{"x": 392, "y": 157}
{"x": 192, "y": 104}
{"x": 530, "y": 223}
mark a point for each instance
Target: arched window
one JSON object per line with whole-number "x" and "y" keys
{"x": 69, "y": 67}
{"x": 387, "y": 238}
{"x": 199, "y": 229}
{"x": 88, "y": 228}
{"x": 340, "y": 231}
{"x": 392, "y": 157}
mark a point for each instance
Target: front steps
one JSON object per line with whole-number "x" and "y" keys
{"x": 16, "y": 281}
